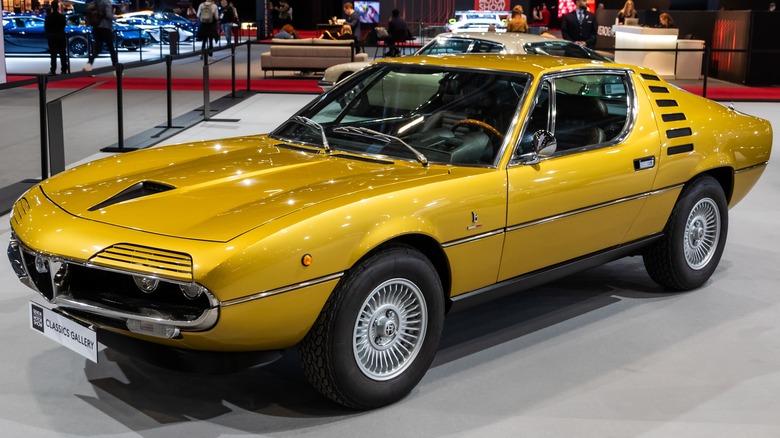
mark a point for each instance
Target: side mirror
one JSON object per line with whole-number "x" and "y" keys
{"x": 544, "y": 144}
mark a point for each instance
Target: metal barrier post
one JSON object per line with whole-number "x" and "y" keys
{"x": 249, "y": 65}
{"x": 707, "y": 60}
{"x": 119, "y": 71}
{"x": 140, "y": 45}
{"x": 206, "y": 103}
{"x": 43, "y": 127}
{"x": 169, "y": 89}
{"x": 233, "y": 70}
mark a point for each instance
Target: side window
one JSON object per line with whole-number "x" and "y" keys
{"x": 589, "y": 109}
{"x": 539, "y": 119}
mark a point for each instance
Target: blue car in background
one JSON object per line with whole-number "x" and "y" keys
{"x": 159, "y": 25}
{"x": 25, "y": 34}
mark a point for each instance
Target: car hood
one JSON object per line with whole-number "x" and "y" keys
{"x": 216, "y": 191}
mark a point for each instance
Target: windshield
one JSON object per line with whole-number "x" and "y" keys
{"x": 414, "y": 112}
{"x": 563, "y": 48}
{"x": 443, "y": 45}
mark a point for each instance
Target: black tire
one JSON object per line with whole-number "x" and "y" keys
{"x": 78, "y": 47}
{"x": 694, "y": 238}
{"x": 374, "y": 313}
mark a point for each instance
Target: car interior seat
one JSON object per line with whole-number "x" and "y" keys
{"x": 577, "y": 121}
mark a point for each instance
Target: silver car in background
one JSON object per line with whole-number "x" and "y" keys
{"x": 478, "y": 42}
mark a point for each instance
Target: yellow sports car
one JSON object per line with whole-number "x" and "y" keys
{"x": 416, "y": 186}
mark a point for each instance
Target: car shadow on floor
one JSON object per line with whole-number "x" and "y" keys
{"x": 280, "y": 390}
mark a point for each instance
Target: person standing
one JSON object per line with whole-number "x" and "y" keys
{"x": 397, "y": 32}
{"x": 517, "y": 22}
{"x": 285, "y": 13}
{"x": 54, "y": 25}
{"x": 207, "y": 15}
{"x": 229, "y": 20}
{"x": 353, "y": 19}
{"x": 628, "y": 11}
{"x": 103, "y": 33}
{"x": 580, "y": 25}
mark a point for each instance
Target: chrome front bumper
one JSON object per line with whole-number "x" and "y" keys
{"x": 49, "y": 276}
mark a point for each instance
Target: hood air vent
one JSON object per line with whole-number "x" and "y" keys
{"x": 135, "y": 191}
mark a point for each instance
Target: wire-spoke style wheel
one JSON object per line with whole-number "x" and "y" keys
{"x": 694, "y": 237}
{"x": 389, "y": 329}
{"x": 702, "y": 234}
{"x": 378, "y": 332}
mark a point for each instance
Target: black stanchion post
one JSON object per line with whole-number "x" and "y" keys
{"x": 120, "y": 127}
{"x": 248, "y": 65}
{"x": 44, "y": 131}
{"x": 140, "y": 45}
{"x": 160, "y": 44}
{"x": 168, "y": 96}
{"x": 169, "y": 88}
{"x": 233, "y": 70}
{"x": 119, "y": 71}
{"x": 707, "y": 60}
{"x": 206, "y": 106}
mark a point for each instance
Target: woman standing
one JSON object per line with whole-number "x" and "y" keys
{"x": 628, "y": 11}
{"x": 517, "y": 22}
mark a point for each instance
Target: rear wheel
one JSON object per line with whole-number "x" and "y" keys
{"x": 378, "y": 333}
{"x": 78, "y": 47}
{"x": 694, "y": 238}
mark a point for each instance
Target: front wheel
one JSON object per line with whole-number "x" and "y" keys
{"x": 694, "y": 238}
{"x": 378, "y": 333}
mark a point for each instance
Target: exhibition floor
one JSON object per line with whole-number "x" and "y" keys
{"x": 604, "y": 353}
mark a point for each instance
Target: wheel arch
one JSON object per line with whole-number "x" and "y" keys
{"x": 431, "y": 249}
{"x": 724, "y": 176}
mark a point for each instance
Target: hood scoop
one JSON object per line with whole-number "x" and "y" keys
{"x": 138, "y": 190}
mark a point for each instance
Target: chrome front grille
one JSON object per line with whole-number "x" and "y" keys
{"x": 20, "y": 210}
{"x": 145, "y": 260}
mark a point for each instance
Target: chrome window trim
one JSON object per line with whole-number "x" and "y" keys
{"x": 631, "y": 113}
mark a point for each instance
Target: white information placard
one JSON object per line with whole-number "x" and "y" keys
{"x": 64, "y": 330}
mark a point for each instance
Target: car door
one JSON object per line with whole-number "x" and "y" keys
{"x": 585, "y": 197}
{"x": 11, "y": 35}
{"x": 32, "y": 35}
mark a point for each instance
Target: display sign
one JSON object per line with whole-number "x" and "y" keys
{"x": 64, "y": 330}
{"x": 491, "y": 5}
{"x": 368, "y": 11}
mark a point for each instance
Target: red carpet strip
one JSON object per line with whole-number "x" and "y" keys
{"x": 185, "y": 84}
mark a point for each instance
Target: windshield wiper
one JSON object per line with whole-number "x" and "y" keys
{"x": 312, "y": 124}
{"x": 387, "y": 138}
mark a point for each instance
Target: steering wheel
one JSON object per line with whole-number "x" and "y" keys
{"x": 479, "y": 124}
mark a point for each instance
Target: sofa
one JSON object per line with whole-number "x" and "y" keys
{"x": 308, "y": 54}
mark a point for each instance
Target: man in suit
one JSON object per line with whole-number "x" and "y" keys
{"x": 580, "y": 25}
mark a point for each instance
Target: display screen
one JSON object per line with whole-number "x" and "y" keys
{"x": 368, "y": 11}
